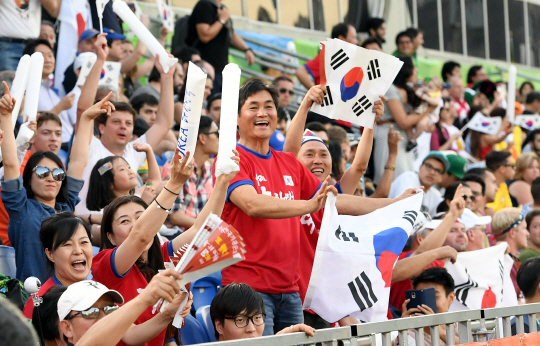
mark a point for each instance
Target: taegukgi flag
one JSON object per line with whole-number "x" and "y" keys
{"x": 354, "y": 78}
{"x": 355, "y": 256}
{"x": 482, "y": 279}
{"x": 484, "y": 124}
{"x": 528, "y": 122}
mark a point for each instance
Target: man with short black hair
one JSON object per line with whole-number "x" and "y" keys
{"x": 443, "y": 283}
{"x": 404, "y": 43}
{"x": 450, "y": 69}
{"x": 213, "y": 107}
{"x": 376, "y": 28}
{"x": 430, "y": 174}
{"x": 503, "y": 167}
{"x": 417, "y": 36}
{"x": 372, "y": 43}
{"x": 197, "y": 189}
{"x": 476, "y": 73}
{"x": 532, "y": 103}
{"x": 528, "y": 280}
{"x": 478, "y": 188}
{"x": 309, "y": 74}
{"x": 237, "y": 312}
{"x": 285, "y": 87}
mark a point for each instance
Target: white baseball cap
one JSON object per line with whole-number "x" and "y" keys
{"x": 81, "y": 59}
{"x": 469, "y": 219}
{"x": 82, "y": 295}
{"x": 433, "y": 224}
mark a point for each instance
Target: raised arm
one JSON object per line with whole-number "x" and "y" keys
{"x": 154, "y": 174}
{"x": 238, "y": 43}
{"x": 383, "y": 189}
{"x": 403, "y": 120}
{"x": 130, "y": 61}
{"x": 215, "y": 205}
{"x": 148, "y": 224}
{"x": 436, "y": 238}
{"x": 414, "y": 265}
{"x": 89, "y": 89}
{"x": 303, "y": 76}
{"x": 52, "y": 6}
{"x": 353, "y": 174}
{"x": 9, "y": 146}
{"x": 115, "y": 327}
{"x": 164, "y": 117}
{"x": 79, "y": 151}
{"x": 293, "y": 140}
{"x": 356, "y": 205}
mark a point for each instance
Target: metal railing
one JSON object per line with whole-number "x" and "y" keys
{"x": 473, "y": 325}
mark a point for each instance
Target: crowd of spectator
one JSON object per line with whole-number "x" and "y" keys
{"x": 100, "y": 175}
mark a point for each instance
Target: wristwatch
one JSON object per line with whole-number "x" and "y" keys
{"x": 222, "y": 22}
{"x": 392, "y": 167}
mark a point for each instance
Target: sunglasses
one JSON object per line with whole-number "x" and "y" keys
{"x": 513, "y": 164}
{"x": 215, "y": 133}
{"x": 58, "y": 174}
{"x": 93, "y": 313}
{"x": 283, "y": 91}
{"x": 471, "y": 197}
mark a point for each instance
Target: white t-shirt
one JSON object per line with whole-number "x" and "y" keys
{"x": 20, "y": 18}
{"x": 97, "y": 151}
{"x": 407, "y": 180}
{"x": 69, "y": 117}
{"x": 48, "y": 99}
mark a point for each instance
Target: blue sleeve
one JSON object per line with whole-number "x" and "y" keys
{"x": 338, "y": 187}
{"x": 113, "y": 265}
{"x": 74, "y": 186}
{"x": 170, "y": 249}
{"x": 309, "y": 71}
{"x": 14, "y": 198}
{"x": 235, "y": 185}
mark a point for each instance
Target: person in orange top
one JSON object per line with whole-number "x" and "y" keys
{"x": 48, "y": 137}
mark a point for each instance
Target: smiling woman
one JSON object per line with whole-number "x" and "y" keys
{"x": 66, "y": 241}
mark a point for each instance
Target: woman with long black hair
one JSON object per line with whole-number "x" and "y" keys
{"x": 399, "y": 110}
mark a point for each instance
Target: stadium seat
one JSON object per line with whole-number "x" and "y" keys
{"x": 193, "y": 332}
{"x": 203, "y": 316}
{"x": 7, "y": 261}
{"x": 205, "y": 289}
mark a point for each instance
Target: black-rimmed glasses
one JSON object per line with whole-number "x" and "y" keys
{"x": 241, "y": 321}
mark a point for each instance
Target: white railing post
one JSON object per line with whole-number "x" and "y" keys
{"x": 450, "y": 334}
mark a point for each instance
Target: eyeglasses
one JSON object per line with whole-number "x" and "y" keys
{"x": 58, "y": 174}
{"x": 471, "y": 197}
{"x": 431, "y": 168}
{"x": 513, "y": 165}
{"x": 215, "y": 133}
{"x": 283, "y": 91}
{"x": 241, "y": 321}
{"x": 93, "y": 313}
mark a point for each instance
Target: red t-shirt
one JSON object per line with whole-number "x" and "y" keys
{"x": 313, "y": 68}
{"x": 29, "y": 307}
{"x": 397, "y": 289}
{"x": 129, "y": 285}
{"x": 272, "y": 245}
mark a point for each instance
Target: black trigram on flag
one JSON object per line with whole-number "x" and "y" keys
{"x": 110, "y": 68}
{"x": 361, "y": 106}
{"x": 363, "y": 284}
{"x": 462, "y": 291}
{"x": 373, "y": 69}
{"x": 346, "y": 236}
{"x": 410, "y": 216}
{"x": 327, "y": 98}
{"x": 338, "y": 59}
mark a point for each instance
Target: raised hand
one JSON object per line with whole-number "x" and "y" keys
{"x": 140, "y": 147}
{"x": 67, "y": 101}
{"x": 447, "y": 252}
{"x": 101, "y": 107}
{"x": 180, "y": 170}
{"x": 315, "y": 94}
{"x": 102, "y": 50}
{"x": 163, "y": 285}
{"x": 319, "y": 199}
{"x": 409, "y": 192}
{"x": 458, "y": 203}
{"x": 7, "y": 103}
{"x": 227, "y": 178}
{"x": 393, "y": 140}
{"x": 378, "y": 108}
{"x": 160, "y": 68}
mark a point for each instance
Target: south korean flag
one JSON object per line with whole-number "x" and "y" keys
{"x": 484, "y": 124}
{"x": 354, "y": 78}
{"x": 110, "y": 74}
{"x": 528, "y": 122}
{"x": 85, "y": 69}
{"x": 166, "y": 14}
